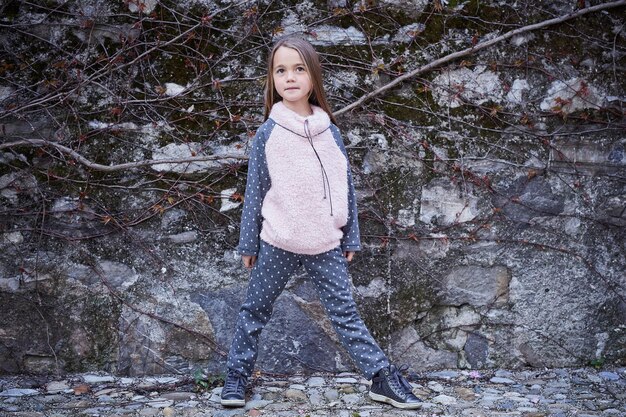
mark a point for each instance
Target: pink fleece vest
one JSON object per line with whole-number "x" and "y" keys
{"x": 296, "y": 216}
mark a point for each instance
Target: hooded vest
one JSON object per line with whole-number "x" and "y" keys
{"x": 299, "y": 192}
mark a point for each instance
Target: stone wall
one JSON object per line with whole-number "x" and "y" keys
{"x": 491, "y": 190}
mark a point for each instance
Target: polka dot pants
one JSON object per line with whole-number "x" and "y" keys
{"x": 328, "y": 271}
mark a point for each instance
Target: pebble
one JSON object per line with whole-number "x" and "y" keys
{"x": 501, "y": 380}
{"x": 257, "y": 404}
{"x": 352, "y": 399}
{"x": 465, "y": 394}
{"x": 57, "y": 386}
{"x": 444, "y": 399}
{"x": 18, "y": 392}
{"x": 295, "y": 395}
{"x": 331, "y": 394}
{"x": 178, "y": 396}
{"x": 98, "y": 379}
{"x": 435, "y": 386}
{"x": 316, "y": 381}
{"x": 446, "y": 393}
{"x": 609, "y": 376}
{"x": 443, "y": 374}
{"x": 316, "y": 398}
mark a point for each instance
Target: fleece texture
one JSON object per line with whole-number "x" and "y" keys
{"x": 294, "y": 200}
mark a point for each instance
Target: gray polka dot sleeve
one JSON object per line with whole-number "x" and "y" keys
{"x": 351, "y": 240}
{"x": 258, "y": 182}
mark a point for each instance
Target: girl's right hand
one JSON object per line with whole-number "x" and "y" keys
{"x": 248, "y": 260}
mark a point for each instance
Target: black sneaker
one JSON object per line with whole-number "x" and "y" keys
{"x": 234, "y": 391}
{"x": 389, "y": 386}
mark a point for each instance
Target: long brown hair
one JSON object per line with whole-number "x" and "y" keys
{"x": 312, "y": 63}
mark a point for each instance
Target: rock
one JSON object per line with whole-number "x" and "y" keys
{"x": 117, "y": 275}
{"x": 295, "y": 395}
{"x": 18, "y": 392}
{"x": 570, "y": 96}
{"x": 57, "y": 386}
{"x": 327, "y": 35}
{"x": 227, "y": 201}
{"x": 173, "y": 89}
{"x": 316, "y": 381}
{"x": 81, "y": 389}
{"x": 408, "y": 33}
{"x": 375, "y": 161}
{"x": 531, "y": 198}
{"x": 347, "y": 389}
{"x": 352, "y": 399}
{"x": 442, "y": 203}
{"x": 185, "y": 237}
{"x": 257, "y": 404}
{"x": 515, "y": 95}
{"x": 97, "y": 379}
{"x": 473, "y": 412}
{"x": 182, "y": 151}
{"x": 411, "y": 7}
{"x": 104, "y": 392}
{"x": 143, "y": 6}
{"x": 14, "y": 238}
{"x": 444, "y": 374}
{"x": 435, "y": 386}
{"x": 476, "y": 285}
{"x": 178, "y": 396}
{"x": 411, "y": 349}
{"x": 315, "y": 398}
{"x": 476, "y": 350}
{"x": 444, "y": 399}
{"x": 374, "y": 289}
{"x": 609, "y": 376}
{"x": 502, "y": 373}
{"x": 499, "y": 380}
{"x": 451, "y": 88}
{"x": 348, "y": 380}
{"x": 160, "y": 403}
{"x": 331, "y": 394}
{"x": 465, "y": 394}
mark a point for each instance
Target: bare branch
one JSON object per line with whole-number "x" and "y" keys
{"x": 476, "y": 48}
{"x": 111, "y": 168}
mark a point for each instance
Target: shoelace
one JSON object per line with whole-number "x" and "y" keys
{"x": 408, "y": 388}
{"x": 235, "y": 382}
{"x": 400, "y": 381}
{"x": 393, "y": 381}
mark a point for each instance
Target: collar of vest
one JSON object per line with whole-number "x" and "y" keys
{"x": 318, "y": 122}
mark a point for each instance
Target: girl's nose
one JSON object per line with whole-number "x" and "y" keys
{"x": 291, "y": 75}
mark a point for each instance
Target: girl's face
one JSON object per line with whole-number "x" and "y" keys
{"x": 291, "y": 78}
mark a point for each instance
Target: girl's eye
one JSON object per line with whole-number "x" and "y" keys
{"x": 300, "y": 69}
{"x": 280, "y": 71}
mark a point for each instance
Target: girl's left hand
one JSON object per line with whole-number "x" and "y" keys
{"x": 348, "y": 255}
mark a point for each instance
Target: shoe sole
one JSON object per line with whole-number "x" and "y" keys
{"x": 233, "y": 403}
{"x": 383, "y": 399}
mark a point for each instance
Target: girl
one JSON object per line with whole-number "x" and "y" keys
{"x": 300, "y": 209}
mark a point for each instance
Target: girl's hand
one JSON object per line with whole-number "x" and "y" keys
{"x": 248, "y": 260}
{"x": 348, "y": 255}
